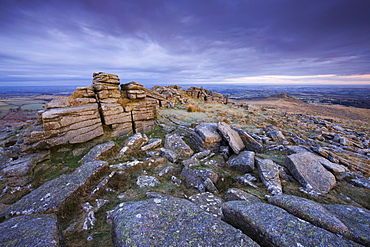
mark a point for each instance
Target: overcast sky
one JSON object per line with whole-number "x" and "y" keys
{"x": 54, "y": 42}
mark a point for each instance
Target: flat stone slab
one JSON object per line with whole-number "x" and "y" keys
{"x": 171, "y": 221}
{"x": 31, "y": 230}
{"x": 270, "y": 225}
{"x": 99, "y": 152}
{"x": 308, "y": 170}
{"x": 52, "y": 196}
{"x": 232, "y": 137}
{"x": 310, "y": 211}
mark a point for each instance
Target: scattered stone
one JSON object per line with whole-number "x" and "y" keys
{"x": 31, "y": 230}
{"x": 270, "y": 225}
{"x": 356, "y": 219}
{"x": 177, "y": 144}
{"x": 169, "y": 154}
{"x": 176, "y": 181}
{"x": 152, "y": 143}
{"x": 249, "y": 142}
{"x": 231, "y": 136}
{"x": 196, "y": 178}
{"x": 201, "y": 155}
{"x": 310, "y": 211}
{"x": 269, "y": 174}
{"x": 190, "y": 162}
{"x": 55, "y": 194}
{"x": 151, "y": 223}
{"x": 246, "y": 180}
{"x": 276, "y": 135}
{"x": 135, "y": 142}
{"x": 147, "y": 181}
{"x": 100, "y": 152}
{"x": 210, "y": 186}
{"x": 307, "y": 169}
{"x": 126, "y": 165}
{"x": 166, "y": 170}
{"x": 208, "y": 202}
{"x": 243, "y": 162}
{"x": 235, "y": 194}
{"x": 224, "y": 151}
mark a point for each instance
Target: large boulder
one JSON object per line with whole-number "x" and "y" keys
{"x": 31, "y": 230}
{"x": 356, "y": 219}
{"x": 270, "y": 225}
{"x": 176, "y": 143}
{"x": 308, "y": 170}
{"x": 310, "y": 211}
{"x": 170, "y": 221}
{"x": 56, "y": 194}
{"x": 243, "y": 162}
{"x": 231, "y": 136}
{"x": 269, "y": 174}
{"x": 206, "y": 136}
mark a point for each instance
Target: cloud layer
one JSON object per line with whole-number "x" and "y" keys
{"x": 184, "y": 41}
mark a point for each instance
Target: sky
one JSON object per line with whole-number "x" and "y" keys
{"x": 62, "y": 42}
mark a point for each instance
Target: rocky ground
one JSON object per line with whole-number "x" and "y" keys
{"x": 219, "y": 175}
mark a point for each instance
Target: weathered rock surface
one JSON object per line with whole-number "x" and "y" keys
{"x": 270, "y": 225}
{"x": 231, "y": 136}
{"x": 308, "y": 170}
{"x": 197, "y": 178}
{"x": 269, "y": 174}
{"x": 208, "y": 202}
{"x": 100, "y": 152}
{"x": 249, "y": 142}
{"x": 311, "y": 211}
{"x": 171, "y": 221}
{"x": 235, "y": 194}
{"x": 19, "y": 173}
{"x": 53, "y": 195}
{"x": 356, "y": 219}
{"x": 147, "y": 181}
{"x": 31, "y": 230}
{"x": 243, "y": 162}
{"x": 177, "y": 144}
{"x": 206, "y": 137}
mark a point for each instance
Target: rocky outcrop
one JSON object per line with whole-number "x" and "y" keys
{"x": 53, "y": 195}
{"x": 170, "y": 221}
{"x": 31, "y": 230}
{"x": 100, "y": 152}
{"x": 272, "y": 226}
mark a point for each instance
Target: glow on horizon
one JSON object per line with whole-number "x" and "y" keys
{"x": 309, "y": 79}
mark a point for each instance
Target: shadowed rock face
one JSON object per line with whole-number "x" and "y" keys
{"x": 51, "y": 196}
{"x": 171, "y": 221}
{"x": 31, "y": 230}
